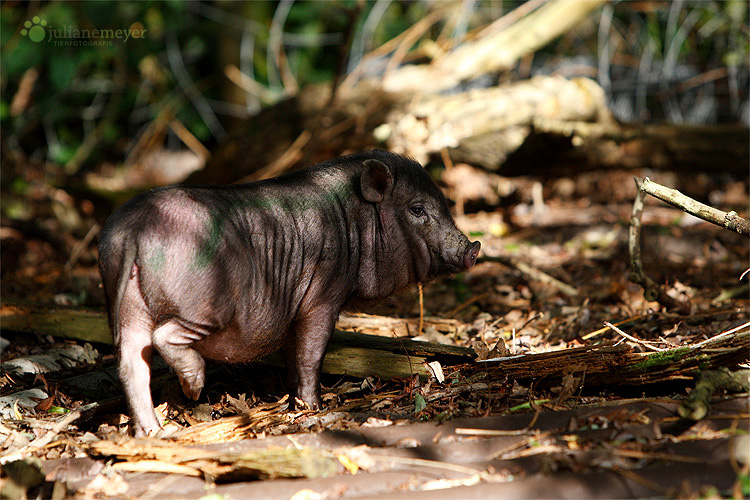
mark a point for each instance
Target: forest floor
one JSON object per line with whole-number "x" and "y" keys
{"x": 564, "y": 434}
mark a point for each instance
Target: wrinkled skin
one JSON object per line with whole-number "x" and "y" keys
{"x": 234, "y": 273}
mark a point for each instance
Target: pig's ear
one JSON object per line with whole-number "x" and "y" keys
{"x": 376, "y": 180}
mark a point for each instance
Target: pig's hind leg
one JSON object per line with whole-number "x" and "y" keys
{"x": 174, "y": 342}
{"x": 135, "y": 352}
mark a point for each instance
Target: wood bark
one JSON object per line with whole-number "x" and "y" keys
{"x": 530, "y": 126}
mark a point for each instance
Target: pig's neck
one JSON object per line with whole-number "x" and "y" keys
{"x": 385, "y": 265}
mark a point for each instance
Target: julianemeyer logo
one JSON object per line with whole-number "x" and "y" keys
{"x": 37, "y": 30}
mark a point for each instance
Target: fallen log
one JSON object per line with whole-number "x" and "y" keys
{"x": 55, "y": 359}
{"x": 430, "y": 123}
{"x": 348, "y": 353}
{"x": 529, "y": 126}
{"x": 586, "y": 145}
{"x": 385, "y": 326}
{"x": 496, "y": 48}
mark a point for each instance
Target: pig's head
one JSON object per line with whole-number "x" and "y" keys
{"x": 418, "y": 239}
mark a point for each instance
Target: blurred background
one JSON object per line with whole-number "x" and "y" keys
{"x": 223, "y": 91}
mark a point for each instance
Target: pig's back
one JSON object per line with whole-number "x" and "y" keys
{"x": 220, "y": 260}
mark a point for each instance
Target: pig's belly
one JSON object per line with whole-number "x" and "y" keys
{"x": 234, "y": 345}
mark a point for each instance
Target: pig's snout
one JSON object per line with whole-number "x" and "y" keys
{"x": 470, "y": 257}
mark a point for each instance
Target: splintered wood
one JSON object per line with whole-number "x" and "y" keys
{"x": 156, "y": 455}
{"x": 246, "y": 425}
{"x": 617, "y": 364}
{"x": 385, "y": 326}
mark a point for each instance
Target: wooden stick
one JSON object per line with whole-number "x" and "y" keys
{"x": 187, "y": 138}
{"x": 630, "y": 337}
{"x": 721, "y": 335}
{"x": 421, "y": 311}
{"x": 651, "y": 290}
{"x": 606, "y": 328}
{"x": 727, "y": 220}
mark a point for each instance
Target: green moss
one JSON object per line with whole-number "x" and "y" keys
{"x": 661, "y": 358}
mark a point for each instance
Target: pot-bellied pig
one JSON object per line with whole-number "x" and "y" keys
{"x": 233, "y": 273}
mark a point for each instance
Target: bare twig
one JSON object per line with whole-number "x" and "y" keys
{"x": 427, "y": 463}
{"x": 251, "y": 86}
{"x": 511, "y": 17}
{"x": 727, "y": 220}
{"x": 474, "y": 299}
{"x": 633, "y": 339}
{"x": 75, "y": 253}
{"x": 421, "y": 311}
{"x": 399, "y": 41}
{"x": 641, "y": 480}
{"x": 528, "y": 428}
{"x": 412, "y": 35}
{"x": 634, "y": 243}
{"x": 651, "y": 290}
{"x": 537, "y": 437}
{"x": 495, "y": 51}
{"x": 93, "y": 138}
{"x": 201, "y": 105}
{"x": 606, "y": 328}
{"x": 187, "y": 138}
{"x": 721, "y": 335}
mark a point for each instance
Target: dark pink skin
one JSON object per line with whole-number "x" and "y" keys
{"x": 234, "y": 273}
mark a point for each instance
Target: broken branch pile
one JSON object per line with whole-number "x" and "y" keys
{"x": 618, "y": 365}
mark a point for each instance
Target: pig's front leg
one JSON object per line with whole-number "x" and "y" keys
{"x": 304, "y": 357}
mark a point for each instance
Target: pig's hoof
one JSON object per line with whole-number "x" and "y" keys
{"x": 299, "y": 404}
{"x": 148, "y": 431}
{"x": 192, "y": 384}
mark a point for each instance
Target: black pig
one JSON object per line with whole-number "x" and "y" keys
{"x": 233, "y": 273}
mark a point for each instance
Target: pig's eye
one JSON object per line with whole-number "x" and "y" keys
{"x": 417, "y": 211}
